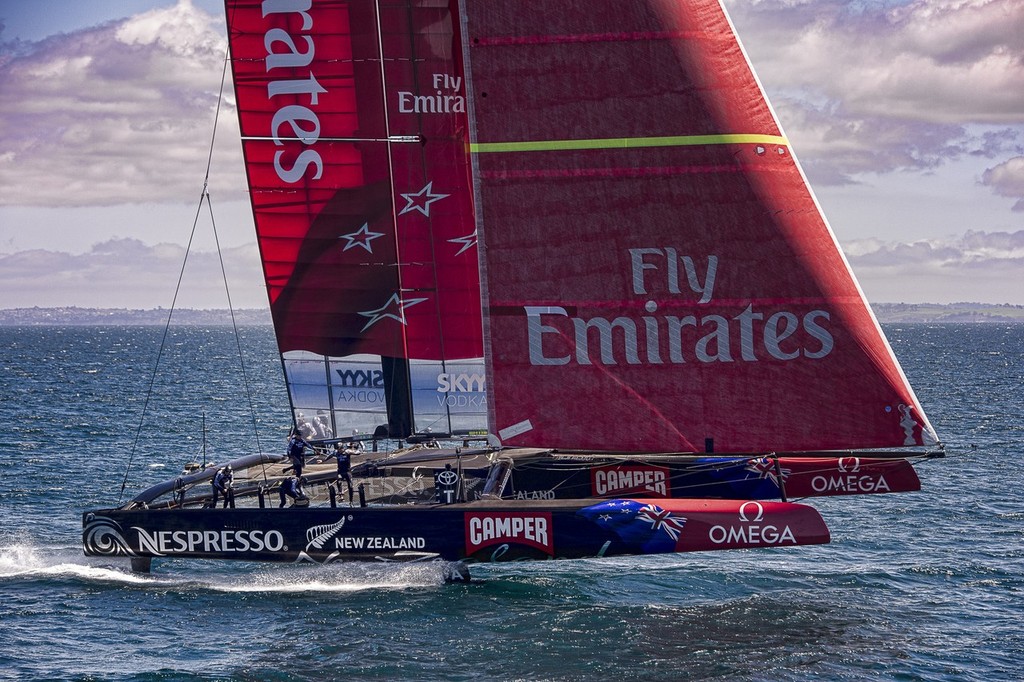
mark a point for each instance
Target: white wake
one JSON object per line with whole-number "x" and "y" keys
{"x": 25, "y": 561}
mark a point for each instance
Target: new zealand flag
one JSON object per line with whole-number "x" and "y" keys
{"x": 643, "y": 528}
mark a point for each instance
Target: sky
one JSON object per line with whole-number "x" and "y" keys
{"x": 907, "y": 116}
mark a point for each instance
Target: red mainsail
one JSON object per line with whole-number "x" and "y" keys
{"x": 658, "y": 275}
{"x": 354, "y": 131}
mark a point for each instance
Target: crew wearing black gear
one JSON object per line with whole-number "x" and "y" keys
{"x": 296, "y": 446}
{"x": 292, "y": 487}
{"x": 222, "y": 482}
{"x": 344, "y": 455}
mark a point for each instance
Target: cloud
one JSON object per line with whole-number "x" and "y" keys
{"x": 974, "y": 248}
{"x": 1007, "y": 180}
{"x": 880, "y": 87}
{"x": 122, "y": 112}
{"x": 118, "y": 113}
{"x": 976, "y": 266}
{"x": 835, "y": 147}
{"x": 942, "y": 61}
{"x": 41, "y": 277}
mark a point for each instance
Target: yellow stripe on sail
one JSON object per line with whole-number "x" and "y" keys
{"x": 625, "y": 143}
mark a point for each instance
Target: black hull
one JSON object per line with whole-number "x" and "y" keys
{"x": 479, "y": 531}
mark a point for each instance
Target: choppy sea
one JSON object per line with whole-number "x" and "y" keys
{"x": 920, "y": 586}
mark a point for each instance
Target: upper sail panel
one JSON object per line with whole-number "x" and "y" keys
{"x": 425, "y": 98}
{"x": 354, "y": 130}
{"x": 658, "y": 274}
{"x": 314, "y": 136}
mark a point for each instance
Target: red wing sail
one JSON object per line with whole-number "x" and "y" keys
{"x": 354, "y": 133}
{"x": 658, "y": 275}
{"x": 425, "y": 98}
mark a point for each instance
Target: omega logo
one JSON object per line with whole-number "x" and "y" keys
{"x": 743, "y": 512}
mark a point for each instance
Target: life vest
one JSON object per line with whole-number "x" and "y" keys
{"x": 295, "y": 447}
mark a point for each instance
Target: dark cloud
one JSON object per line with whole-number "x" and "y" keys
{"x": 944, "y": 61}
{"x": 835, "y": 146}
{"x": 1000, "y": 142}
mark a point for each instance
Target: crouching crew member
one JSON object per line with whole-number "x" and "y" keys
{"x": 222, "y": 484}
{"x": 292, "y": 487}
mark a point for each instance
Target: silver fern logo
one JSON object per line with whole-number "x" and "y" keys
{"x": 104, "y": 537}
{"x": 317, "y": 537}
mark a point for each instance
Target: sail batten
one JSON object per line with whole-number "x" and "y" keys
{"x": 626, "y": 142}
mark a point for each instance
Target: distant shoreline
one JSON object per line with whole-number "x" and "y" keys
{"x": 908, "y": 313}
{"x": 973, "y": 313}
{"x": 72, "y": 316}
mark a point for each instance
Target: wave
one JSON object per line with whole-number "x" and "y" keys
{"x": 348, "y": 577}
{"x": 24, "y": 561}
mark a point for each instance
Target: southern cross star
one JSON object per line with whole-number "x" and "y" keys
{"x": 468, "y": 242}
{"x": 421, "y": 201}
{"x": 361, "y": 237}
{"x": 394, "y": 309}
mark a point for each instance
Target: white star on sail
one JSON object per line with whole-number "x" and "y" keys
{"x": 421, "y": 201}
{"x": 396, "y": 304}
{"x": 468, "y": 242}
{"x": 361, "y": 237}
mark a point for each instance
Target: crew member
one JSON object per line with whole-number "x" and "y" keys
{"x": 222, "y": 485}
{"x": 292, "y": 487}
{"x": 296, "y": 446}
{"x": 344, "y": 454}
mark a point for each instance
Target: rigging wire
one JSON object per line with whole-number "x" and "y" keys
{"x": 160, "y": 352}
{"x": 203, "y": 197}
{"x": 238, "y": 341}
{"x": 220, "y": 257}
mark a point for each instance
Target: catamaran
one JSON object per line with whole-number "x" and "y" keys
{"x": 555, "y": 275}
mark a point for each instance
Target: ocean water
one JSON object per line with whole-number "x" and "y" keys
{"x": 921, "y": 586}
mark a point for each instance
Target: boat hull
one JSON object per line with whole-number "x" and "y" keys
{"x": 754, "y": 478}
{"x": 482, "y": 531}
